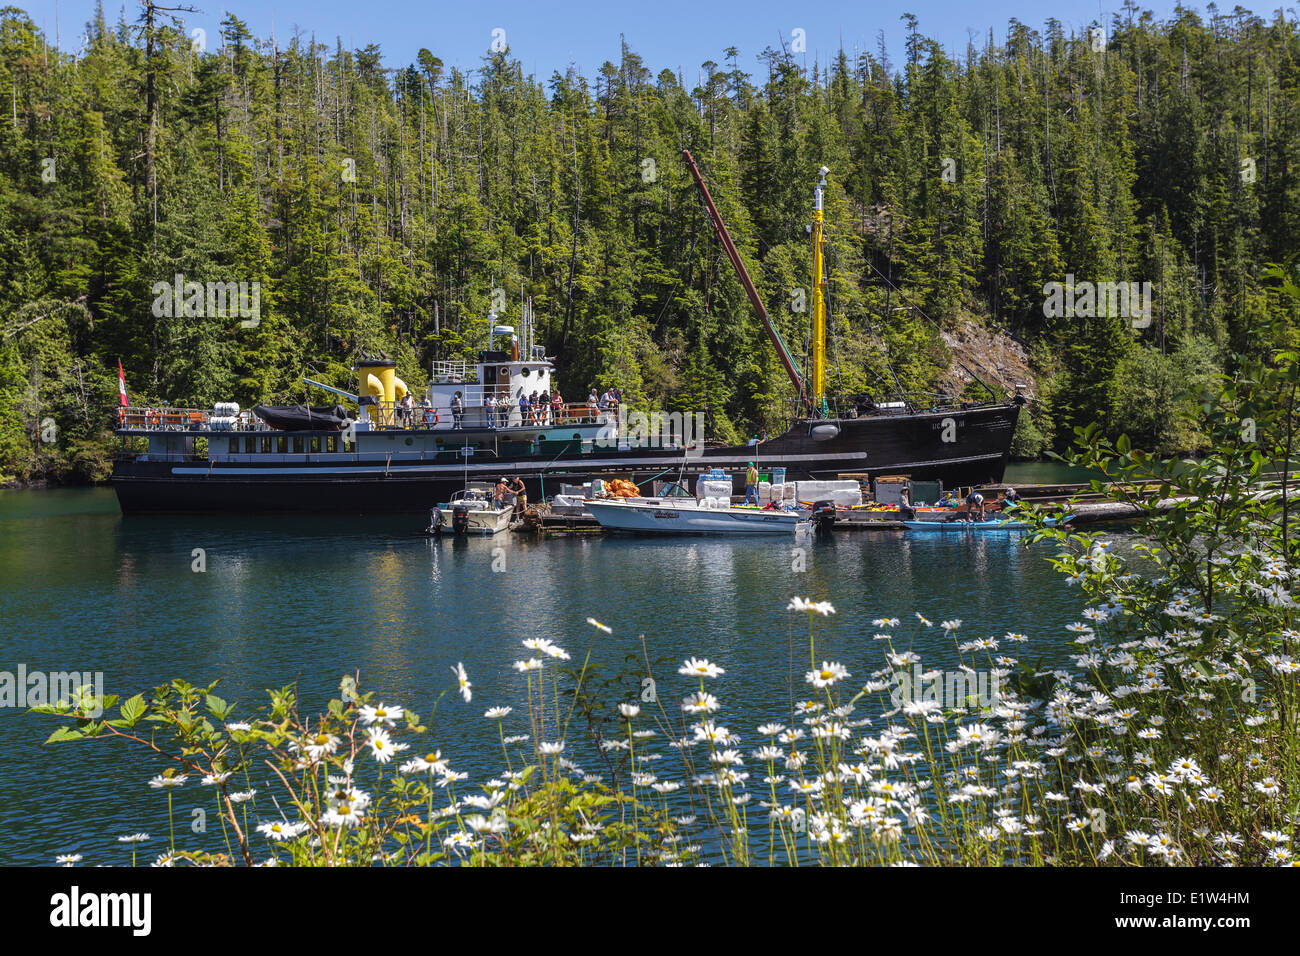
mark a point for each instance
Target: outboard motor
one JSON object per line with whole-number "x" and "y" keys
{"x": 823, "y": 516}
{"x": 460, "y": 518}
{"x": 435, "y": 520}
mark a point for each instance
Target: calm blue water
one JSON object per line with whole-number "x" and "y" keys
{"x": 287, "y": 600}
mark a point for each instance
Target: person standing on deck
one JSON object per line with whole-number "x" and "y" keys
{"x": 490, "y": 410}
{"x": 751, "y": 484}
{"x": 457, "y": 410}
{"x": 521, "y": 495}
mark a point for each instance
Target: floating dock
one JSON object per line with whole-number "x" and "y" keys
{"x": 544, "y": 523}
{"x": 1087, "y": 507}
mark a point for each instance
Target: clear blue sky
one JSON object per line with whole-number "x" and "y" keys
{"x": 546, "y": 36}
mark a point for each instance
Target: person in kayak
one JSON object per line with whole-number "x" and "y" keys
{"x": 751, "y": 484}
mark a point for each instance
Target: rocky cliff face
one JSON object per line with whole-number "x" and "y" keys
{"x": 997, "y": 357}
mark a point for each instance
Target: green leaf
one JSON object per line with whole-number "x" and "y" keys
{"x": 132, "y": 710}
{"x": 64, "y": 733}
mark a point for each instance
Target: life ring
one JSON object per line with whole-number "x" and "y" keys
{"x": 430, "y": 416}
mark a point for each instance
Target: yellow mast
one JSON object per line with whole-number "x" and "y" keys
{"x": 818, "y": 390}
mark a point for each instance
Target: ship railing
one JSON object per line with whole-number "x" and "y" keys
{"x": 450, "y": 372}
{"x": 475, "y": 412}
{"x": 890, "y": 403}
{"x": 384, "y": 416}
{"x": 165, "y": 418}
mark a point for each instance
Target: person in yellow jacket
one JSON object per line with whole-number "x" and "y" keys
{"x": 751, "y": 484}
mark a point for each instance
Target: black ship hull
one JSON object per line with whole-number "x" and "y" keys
{"x": 965, "y": 447}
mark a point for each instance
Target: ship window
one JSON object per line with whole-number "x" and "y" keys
{"x": 282, "y": 443}
{"x": 315, "y": 445}
{"x": 410, "y": 441}
{"x": 250, "y": 444}
{"x": 331, "y": 443}
{"x": 297, "y": 445}
{"x": 234, "y": 446}
{"x": 266, "y": 445}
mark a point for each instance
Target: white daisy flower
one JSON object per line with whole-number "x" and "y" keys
{"x": 462, "y": 680}
{"x": 699, "y": 667}
{"x": 383, "y": 714}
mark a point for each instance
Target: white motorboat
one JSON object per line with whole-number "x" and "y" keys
{"x": 674, "y": 514}
{"x": 472, "y": 512}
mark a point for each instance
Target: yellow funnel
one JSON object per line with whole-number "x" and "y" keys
{"x": 376, "y": 378}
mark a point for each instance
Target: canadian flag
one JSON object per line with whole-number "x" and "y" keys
{"x": 121, "y": 385}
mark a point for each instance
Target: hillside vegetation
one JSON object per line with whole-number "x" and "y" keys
{"x": 393, "y": 208}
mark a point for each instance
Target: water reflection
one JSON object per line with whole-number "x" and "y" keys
{"x": 306, "y": 600}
